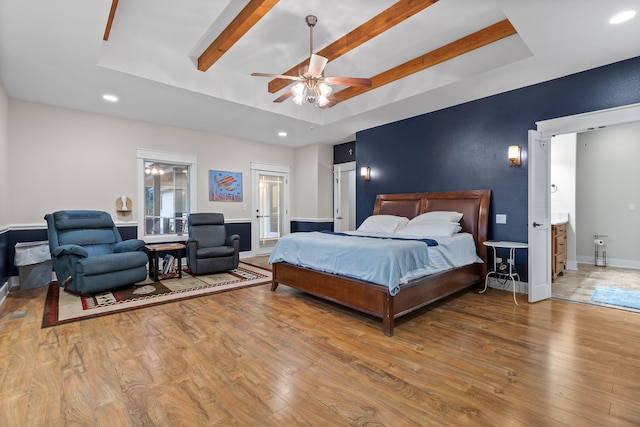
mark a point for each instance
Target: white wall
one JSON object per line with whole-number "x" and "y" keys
{"x": 608, "y": 194}
{"x": 4, "y": 159}
{"x": 563, "y": 175}
{"x": 325, "y": 182}
{"x": 68, "y": 159}
{"x": 313, "y": 185}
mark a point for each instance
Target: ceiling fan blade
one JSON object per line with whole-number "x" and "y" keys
{"x": 316, "y": 65}
{"x": 276, "y": 76}
{"x": 348, "y": 81}
{"x": 284, "y": 96}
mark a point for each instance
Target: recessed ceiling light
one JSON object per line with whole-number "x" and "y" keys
{"x": 622, "y": 16}
{"x": 110, "y": 98}
{"x": 282, "y": 134}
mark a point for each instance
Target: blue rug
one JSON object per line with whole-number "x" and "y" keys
{"x": 614, "y": 296}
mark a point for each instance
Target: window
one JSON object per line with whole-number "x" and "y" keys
{"x": 167, "y": 195}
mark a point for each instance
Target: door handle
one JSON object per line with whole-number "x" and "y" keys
{"x": 535, "y": 224}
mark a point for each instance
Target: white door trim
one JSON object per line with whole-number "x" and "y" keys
{"x": 590, "y": 121}
{"x": 337, "y": 191}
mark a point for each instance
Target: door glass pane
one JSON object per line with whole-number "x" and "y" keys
{"x": 166, "y": 198}
{"x": 271, "y": 209}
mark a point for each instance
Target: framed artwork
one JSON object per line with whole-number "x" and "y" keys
{"x": 225, "y": 186}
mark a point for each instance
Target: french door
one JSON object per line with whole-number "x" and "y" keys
{"x": 270, "y": 206}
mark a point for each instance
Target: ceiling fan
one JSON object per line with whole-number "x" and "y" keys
{"x": 313, "y": 87}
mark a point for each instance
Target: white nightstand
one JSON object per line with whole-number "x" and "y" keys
{"x": 511, "y": 274}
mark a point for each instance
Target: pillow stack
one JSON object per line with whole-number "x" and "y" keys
{"x": 433, "y": 224}
{"x": 429, "y": 224}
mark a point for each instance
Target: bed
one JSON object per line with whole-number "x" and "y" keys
{"x": 376, "y": 299}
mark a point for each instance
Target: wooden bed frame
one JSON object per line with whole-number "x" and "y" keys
{"x": 375, "y": 299}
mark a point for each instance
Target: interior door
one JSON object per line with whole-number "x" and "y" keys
{"x": 344, "y": 196}
{"x": 270, "y": 208}
{"x": 539, "y": 228}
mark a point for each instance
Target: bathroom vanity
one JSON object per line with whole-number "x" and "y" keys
{"x": 558, "y": 243}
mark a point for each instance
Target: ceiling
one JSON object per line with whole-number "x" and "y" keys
{"x": 444, "y": 53}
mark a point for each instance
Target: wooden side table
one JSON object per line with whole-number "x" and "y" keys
{"x": 511, "y": 273}
{"x": 153, "y": 250}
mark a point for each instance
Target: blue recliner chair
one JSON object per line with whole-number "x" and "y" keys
{"x": 209, "y": 249}
{"x": 89, "y": 255}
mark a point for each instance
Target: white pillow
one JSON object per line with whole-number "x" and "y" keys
{"x": 383, "y": 223}
{"x": 440, "y": 216}
{"x": 430, "y": 229}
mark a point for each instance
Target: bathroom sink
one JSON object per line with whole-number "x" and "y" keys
{"x": 559, "y": 218}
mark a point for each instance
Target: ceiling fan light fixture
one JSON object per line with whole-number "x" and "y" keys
{"x": 323, "y": 101}
{"x": 298, "y": 89}
{"x": 324, "y": 89}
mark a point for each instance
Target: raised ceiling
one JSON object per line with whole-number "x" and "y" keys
{"x": 422, "y": 56}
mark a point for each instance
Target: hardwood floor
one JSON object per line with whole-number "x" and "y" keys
{"x": 255, "y": 357}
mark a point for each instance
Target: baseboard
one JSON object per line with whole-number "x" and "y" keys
{"x": 611, "y": 262}
{"x": 521, "y": 287}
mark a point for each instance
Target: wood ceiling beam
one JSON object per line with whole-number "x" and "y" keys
{"x": 380, "y": 23}
{"x": 247, "y": 18}
{"x": 459, "y": 47}
{"x": 112, "y": 14}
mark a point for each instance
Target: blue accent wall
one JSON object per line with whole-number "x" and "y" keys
{"x": 343, "y": 153}
{"x": 465, "y": 146}
{"x": 243, "y": 229}
{"x": 4, "y": 257}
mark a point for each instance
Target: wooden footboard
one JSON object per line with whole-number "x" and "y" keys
{"x": 375, "y": 299}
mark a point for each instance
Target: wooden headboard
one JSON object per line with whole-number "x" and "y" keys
{"x": 473, "y": 204}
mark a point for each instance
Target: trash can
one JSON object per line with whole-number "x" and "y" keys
{"x": 33, "y": 260}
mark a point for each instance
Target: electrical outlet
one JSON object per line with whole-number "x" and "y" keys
{"x": 501, "y": 218}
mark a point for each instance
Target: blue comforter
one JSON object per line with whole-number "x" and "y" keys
{"x": 383, "y": 261}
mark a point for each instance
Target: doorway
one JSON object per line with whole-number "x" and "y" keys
{"x": 270, "y": 206}
{"x": 539, "y": 252}
{"x": 594, "y": 175}
{"x": 344, "y": 196}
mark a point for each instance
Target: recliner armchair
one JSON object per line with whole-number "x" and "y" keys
{"x": 209, "y": 249}
{"x": 89, "y": 255}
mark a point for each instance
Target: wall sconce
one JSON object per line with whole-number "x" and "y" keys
{"x": 365, "y": 173}
{"x": 514, "y": 155}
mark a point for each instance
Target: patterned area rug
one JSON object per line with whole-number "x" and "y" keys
{"x": 64, "y": 307}
{"x": 614, "y": 296}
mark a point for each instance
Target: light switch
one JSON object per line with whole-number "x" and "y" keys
{"x": 501, "y": 218}
{"x": 632, "y": 206}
